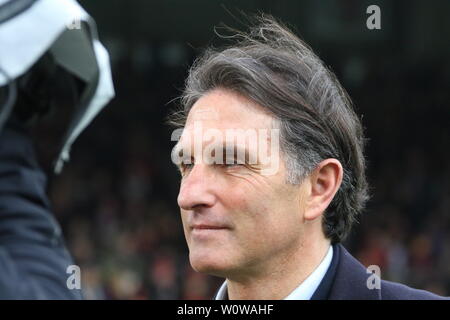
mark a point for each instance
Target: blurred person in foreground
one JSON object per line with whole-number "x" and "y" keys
{"x": 51, "y": 64}
{"x": 273, "y": 234}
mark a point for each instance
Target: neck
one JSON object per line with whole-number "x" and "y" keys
{"x": 279, "y": 279}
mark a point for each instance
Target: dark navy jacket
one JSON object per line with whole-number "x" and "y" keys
{"x": 346, "y": 279}
{"x": 33, "y": 257}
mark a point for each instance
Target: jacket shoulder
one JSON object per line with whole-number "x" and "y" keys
{"x": 397, "y": 291}
{"x": 350, "y": 283}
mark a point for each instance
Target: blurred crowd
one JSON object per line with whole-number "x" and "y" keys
{"x": 116, "y": 199}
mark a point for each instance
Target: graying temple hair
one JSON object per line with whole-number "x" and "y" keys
{"x": 273, "y": 67}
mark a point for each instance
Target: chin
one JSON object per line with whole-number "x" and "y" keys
{"x": 212, "y": 264}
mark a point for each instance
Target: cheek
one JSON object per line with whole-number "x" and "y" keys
{"x": 247, "y": 207}
{"x": 251, "y": 215}
{"x": 268, "y": 215}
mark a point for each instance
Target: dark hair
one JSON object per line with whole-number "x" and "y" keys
{"x": 273, "y": 67}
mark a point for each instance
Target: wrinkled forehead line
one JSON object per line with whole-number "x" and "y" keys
{"x": 205, "y": 115}
{"x": 211, "y": 111}
{"x": 208, "y": 120}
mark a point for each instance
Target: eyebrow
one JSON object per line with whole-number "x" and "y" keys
{"x": 234, "y": 151}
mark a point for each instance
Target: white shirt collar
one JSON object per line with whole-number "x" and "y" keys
{"x": 306, "y": 289}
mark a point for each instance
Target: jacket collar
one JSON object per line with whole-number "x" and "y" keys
{"x": 346, "y": 279}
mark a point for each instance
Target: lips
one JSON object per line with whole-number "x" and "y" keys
{"x": 207, "y": 227}
{"x": 207, "y": 232}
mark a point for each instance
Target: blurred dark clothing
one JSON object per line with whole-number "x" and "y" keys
{"x": 33, "y": 256}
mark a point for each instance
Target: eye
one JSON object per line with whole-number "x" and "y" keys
{"x": 185, "y": 166}
{"x": 230, "y": 163}
{"x": 234, "y": 164}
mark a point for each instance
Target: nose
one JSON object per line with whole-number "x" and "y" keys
{"x": 197, "y": 188}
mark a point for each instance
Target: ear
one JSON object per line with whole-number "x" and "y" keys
{"x": 323, "y": 184}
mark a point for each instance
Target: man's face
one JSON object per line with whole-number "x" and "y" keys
{"x": 237, "y": 219}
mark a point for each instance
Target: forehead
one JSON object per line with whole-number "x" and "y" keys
{"x": 224, "y": 109}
